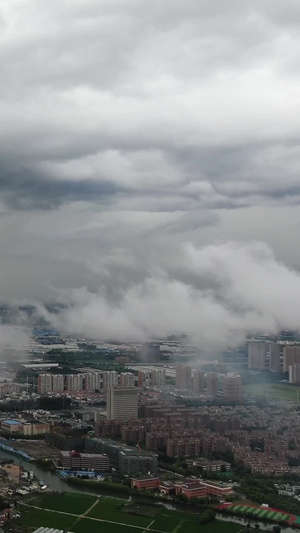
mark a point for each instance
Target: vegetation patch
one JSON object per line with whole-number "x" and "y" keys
{"x": 72, "y": 502}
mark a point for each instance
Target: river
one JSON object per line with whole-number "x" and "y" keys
{"x": 50, "y": 479}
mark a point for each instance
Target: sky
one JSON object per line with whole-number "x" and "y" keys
{"x": 149, "y": 165}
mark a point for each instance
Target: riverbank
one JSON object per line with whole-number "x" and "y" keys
{"x": 19, "y": 453}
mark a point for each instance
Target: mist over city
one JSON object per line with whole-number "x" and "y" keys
{"x": 149, "y": 266}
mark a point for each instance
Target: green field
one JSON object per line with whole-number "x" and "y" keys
{"x": 81, "y": 513}
{"x": 74, "y": 503}
{"x": 280, "y": 391}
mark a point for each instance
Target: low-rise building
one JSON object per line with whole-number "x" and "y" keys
{"x": 191, "y": 489}
{"x": 11, "y": 426}
{"x": 217, "y": 489}
{"x": 145, "y": 483}
{"x": 83, "y": 461}
{"x": 34, "y": 428}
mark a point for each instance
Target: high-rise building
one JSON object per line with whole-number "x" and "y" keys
{"x": 44, "y": 383}
{"x": 92, "y": 381}
{"x": 158, "y": 377}
{"x": 74, "y": 382}
{"x": 198, "y": 381}
{"x": 212, "y": 384}
{"x": 122, "y": 403}
{"x": 233, "y": 388}
{"x": 275, "y": 357}
{"x": 126, "y": 379}
{"x": 294, "y": 373}
{"x": 291, "y": 356}
{"x": 58, "y": 382}
{"x": 144, "y": 379}
{"x": 257, "y": 355}
{"x": 110, "y": 379}
{"x": 183, "y": 377}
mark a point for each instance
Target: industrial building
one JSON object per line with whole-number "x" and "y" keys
{"x": 84, "y": 461}
{"x": 128, "y": 460}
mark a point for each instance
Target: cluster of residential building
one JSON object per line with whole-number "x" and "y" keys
{"x": 99, "y": 380}
{"x": 88, "y": 381}
{"x": 8, "y": 388}
{"x": 177, "y": 430}
{"x": 207, "y": 384}
{"x": 276, "y": 357}
{"x": 264, "y": 440}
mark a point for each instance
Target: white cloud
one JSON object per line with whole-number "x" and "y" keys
{"x": 131, "y": 128}
{"x": 232, "y": 290}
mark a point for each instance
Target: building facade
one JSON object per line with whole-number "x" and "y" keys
{"x": 122, "y": 403}
{"x": 212, "y": 380}
{"x": 183, "y": 377}
{"x": 84, "y": 461}
{"x": 233, "y": 388}
{"x": 257, "y": 355}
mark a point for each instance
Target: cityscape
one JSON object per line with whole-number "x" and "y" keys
{"x": 149, "y": 266}
{"x": 153, "y": 418}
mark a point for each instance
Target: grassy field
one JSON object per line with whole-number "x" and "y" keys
{"x": 281, "y": 391}
{"x": 71, "y": 503}
{"x": 88, "y": 514}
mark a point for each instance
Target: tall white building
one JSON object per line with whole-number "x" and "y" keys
{"x": 294, "y": 373}
{"x": 233, "y": 387}
{"x": 198, "y": 380}
{"x": 158, "y": 377}
{"x": 212, "y": 380}
{"x": 291, "y": 356}
{"x": 257, "y": 355}
{"x": 110, "y": 379}
{"x": 183, "y": 377}
{"x": 126, "y": 379}
{"x": 122, "y": 403}
{"x": 44, "y": 383}
{"x": 74, "y": 382}
{"x": 92, "y": 381}
{"x": 58, "y": 382}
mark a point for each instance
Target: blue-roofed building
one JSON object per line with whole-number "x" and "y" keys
{"x": 11, "y": 426}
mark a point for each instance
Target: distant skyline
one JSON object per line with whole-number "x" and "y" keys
{"x": 149, "y": 171}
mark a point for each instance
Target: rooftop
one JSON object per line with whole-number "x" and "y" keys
{"x": 11, "y": 422}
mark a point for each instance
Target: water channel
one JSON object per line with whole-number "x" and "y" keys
{"x": 50, "y": 479}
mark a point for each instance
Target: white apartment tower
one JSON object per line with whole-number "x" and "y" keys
{"x": 122, "y": 403}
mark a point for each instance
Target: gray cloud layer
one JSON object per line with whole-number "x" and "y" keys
{"x": 129, "y": 129}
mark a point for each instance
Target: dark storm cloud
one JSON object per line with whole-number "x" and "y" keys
{"x": 27, "y": 190}
{"x": 190, "y": 80}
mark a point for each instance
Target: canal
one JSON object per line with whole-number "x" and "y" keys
{"x": 50, "y": 479}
